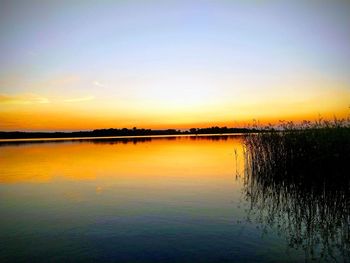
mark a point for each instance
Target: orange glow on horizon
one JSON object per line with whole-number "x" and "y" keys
{"x": 102, "y": 115}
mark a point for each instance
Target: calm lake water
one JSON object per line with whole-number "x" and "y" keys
{"x": 175, "y": 199}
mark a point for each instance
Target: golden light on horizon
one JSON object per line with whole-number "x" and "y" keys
{"x": 166, "y": 110}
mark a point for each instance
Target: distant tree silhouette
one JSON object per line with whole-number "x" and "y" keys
{"x": 120, "y": 132}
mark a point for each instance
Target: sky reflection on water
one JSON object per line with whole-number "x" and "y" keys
{"x": 145, "y": 200}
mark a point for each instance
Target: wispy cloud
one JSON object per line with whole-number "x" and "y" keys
{"x": 98, "y": 84}
{"x": 32, "y": 53}
{"x": 36, "y": 99}
{"x": 23, "y": 99}
{"x": 79, "y": 99}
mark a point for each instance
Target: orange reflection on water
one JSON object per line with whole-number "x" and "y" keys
{"x": 158, "y": 161}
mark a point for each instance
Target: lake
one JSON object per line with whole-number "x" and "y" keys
{"x": 162, "y": 199}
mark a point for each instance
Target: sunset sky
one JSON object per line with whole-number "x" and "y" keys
{"x": 78, "y": 65}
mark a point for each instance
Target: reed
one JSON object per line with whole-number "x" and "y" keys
{"x": 297, "y": 149}
{"x": 297, "y": 179}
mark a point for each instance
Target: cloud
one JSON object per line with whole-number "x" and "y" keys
{"x": 35, "y": 99}
{"x": 23, "y": 99}
{"x": 79, "y": 99}
{"x": 98, "y": 84}
{"x": 32, "y": 53}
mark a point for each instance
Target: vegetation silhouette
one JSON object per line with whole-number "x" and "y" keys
{"x": 120, "y": 132}
{"x": 110, "y": 140}
{"x": 297, "y": 180}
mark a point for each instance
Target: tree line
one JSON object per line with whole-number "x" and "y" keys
{"x": 120, "y": 132}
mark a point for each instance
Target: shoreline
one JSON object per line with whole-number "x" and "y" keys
{"x": 48, "y": 139}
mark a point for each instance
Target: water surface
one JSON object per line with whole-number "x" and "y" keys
{"x": 172, "y": 199}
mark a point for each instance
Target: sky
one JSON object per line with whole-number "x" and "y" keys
{"x": 80, "y": 65}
